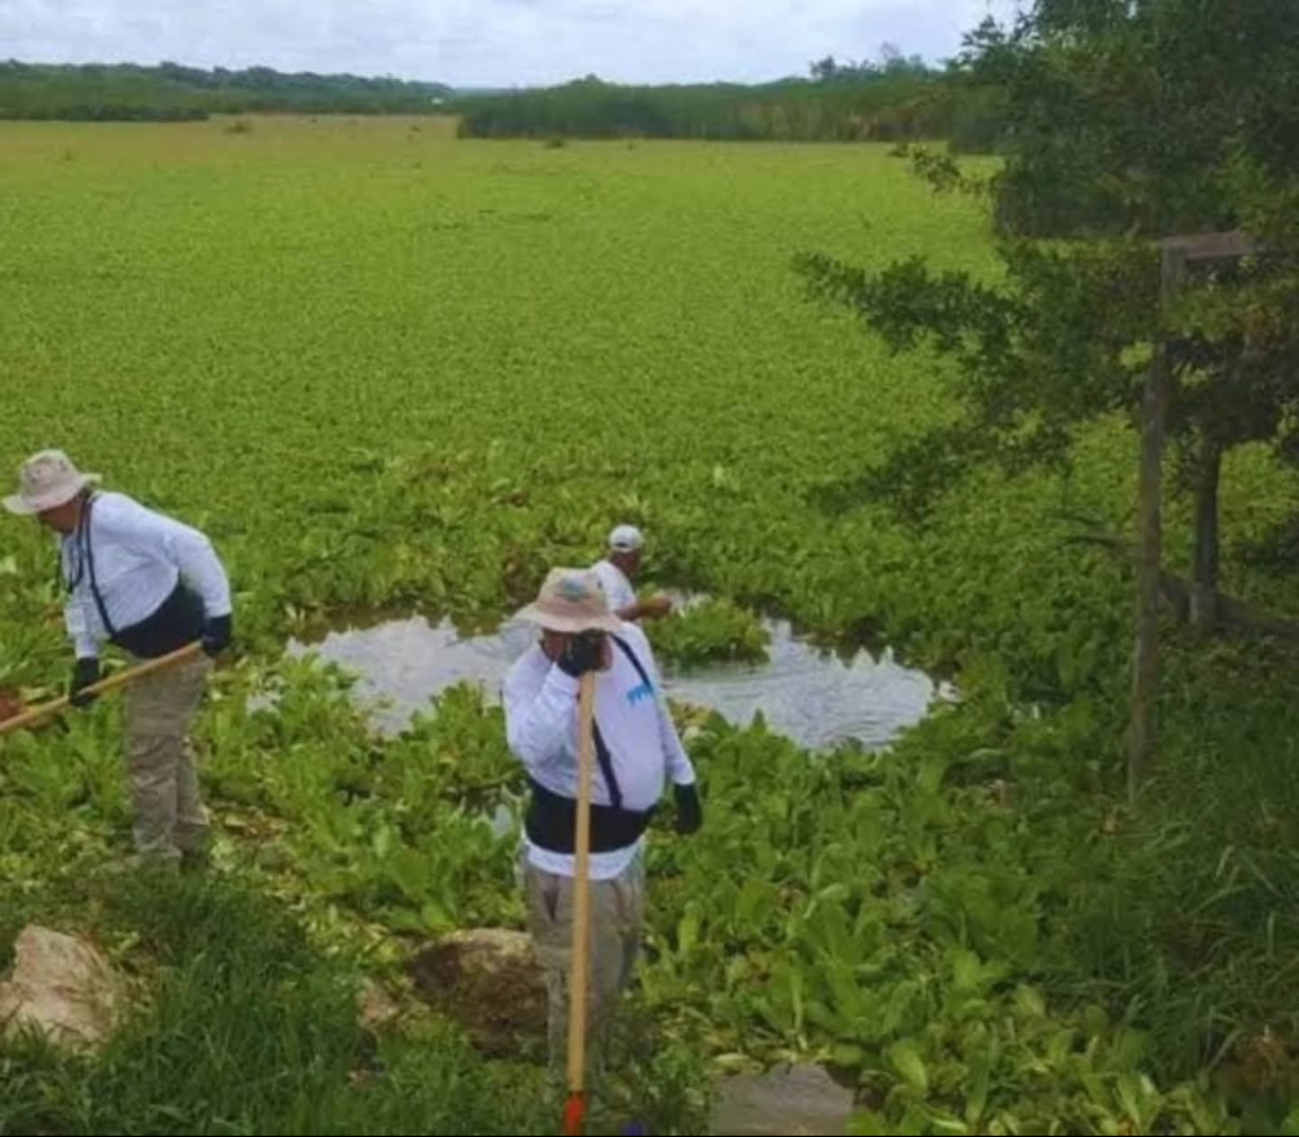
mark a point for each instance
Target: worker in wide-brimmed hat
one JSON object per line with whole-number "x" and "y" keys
{"x": 149, "y": 585}
{"x": 638, "y": 750}
{"x": 618, "y": 572}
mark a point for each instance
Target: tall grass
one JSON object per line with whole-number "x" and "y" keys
{"x": 249, "y": 1030}
{"x": 1189, "y": 913}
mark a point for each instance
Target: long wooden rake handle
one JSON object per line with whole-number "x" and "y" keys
{"x": 121, "y": 679}
{"x": 575, "y": 1114}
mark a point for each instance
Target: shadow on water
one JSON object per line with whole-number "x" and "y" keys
{"x": 817, "y": 697}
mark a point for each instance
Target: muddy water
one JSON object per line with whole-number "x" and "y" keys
{"x": 816, "y": 698}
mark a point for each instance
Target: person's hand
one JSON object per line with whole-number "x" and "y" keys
{"x": 84, "y": 674}
{"x": 657, "y": 607}
{"x": 583, "y": 653}
{"x": 217, "y": 635}
{"x": 690, "y": 813}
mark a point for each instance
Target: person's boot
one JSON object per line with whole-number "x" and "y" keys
{"x": 195, "y": 848}
{"x": 196, "y": 860}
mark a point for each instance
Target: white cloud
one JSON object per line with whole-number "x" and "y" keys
{"x": 490, "y": 42}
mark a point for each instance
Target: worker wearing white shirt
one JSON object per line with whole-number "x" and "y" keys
{"x": 619, "y": 570}
{"x": 149, "y": 585}
{"x": 639, "y": 752}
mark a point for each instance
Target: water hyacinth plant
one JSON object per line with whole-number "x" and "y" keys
{"x": 389, "y": 384}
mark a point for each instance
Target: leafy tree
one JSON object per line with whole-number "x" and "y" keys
{"x": 825, "y": 70}
{"x": 1125, "y": 122}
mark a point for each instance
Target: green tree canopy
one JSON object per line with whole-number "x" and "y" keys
{"x": 1125, "y": 122}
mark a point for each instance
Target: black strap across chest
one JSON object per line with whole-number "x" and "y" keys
{"x": 83, "y": 566}
{"x": 551, "y": 822}
{"x": 603, "y": 755}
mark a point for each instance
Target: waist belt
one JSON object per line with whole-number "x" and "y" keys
{"x": 178, "y": 620}
{"x": 551, "y": 823}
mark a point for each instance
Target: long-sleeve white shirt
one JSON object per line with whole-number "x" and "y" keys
{"x": 541, "y": 715}
{"x": 617, "y": 587}
{"x": 139, "y": 556}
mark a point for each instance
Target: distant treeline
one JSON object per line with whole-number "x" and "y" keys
{"x": 899, "y": 101}
{"x": 170, "y": 92}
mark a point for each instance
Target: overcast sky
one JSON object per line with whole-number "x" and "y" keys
{"x": 489, "y": 42}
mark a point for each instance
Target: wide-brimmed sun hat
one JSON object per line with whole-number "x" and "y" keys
{"x": 572, "y": 600}
{"x": 46, "y": 481}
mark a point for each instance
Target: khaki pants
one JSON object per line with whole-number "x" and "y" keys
{"x": 617, "y": 913}
{"x": 169, "y": 816}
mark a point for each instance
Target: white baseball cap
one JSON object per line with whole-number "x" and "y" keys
{"x": 626, "y": 539}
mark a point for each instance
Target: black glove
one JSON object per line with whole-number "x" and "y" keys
{"x": 690, "y": 814}
{"x": 584, "y": 653}
{"x": 217, "y": 634}
{"x": 84, "y": 674}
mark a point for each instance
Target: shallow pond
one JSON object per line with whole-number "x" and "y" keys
{"x": 817, "y": 698}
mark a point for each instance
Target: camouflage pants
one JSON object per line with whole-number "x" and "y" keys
{"x": 617, "y": 913}
{"x": 169, "y": 816}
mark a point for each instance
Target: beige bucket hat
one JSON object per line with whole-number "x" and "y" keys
{"x": 46, "y": 481}
{"x": 572, "y": 600}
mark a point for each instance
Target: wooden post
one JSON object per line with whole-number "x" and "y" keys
{"x": 1154, "y": 413}
{"x": 1204, "y": 580}
{"x": 1176, "y": 253}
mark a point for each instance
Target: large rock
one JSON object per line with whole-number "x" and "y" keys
{"x": 800, "y": 1100}
{"x": 62, "y": 987}
{"x": 488, "y": 980}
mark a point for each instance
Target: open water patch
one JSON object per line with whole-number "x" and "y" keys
{"x": 816, "y": 697}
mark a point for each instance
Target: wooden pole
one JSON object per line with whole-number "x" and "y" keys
{"x": 1154, "y": 413}
{"x": 575, "y": 1115}
{"x": 121, "y": 679}
{"x": 1204, "y": 579}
